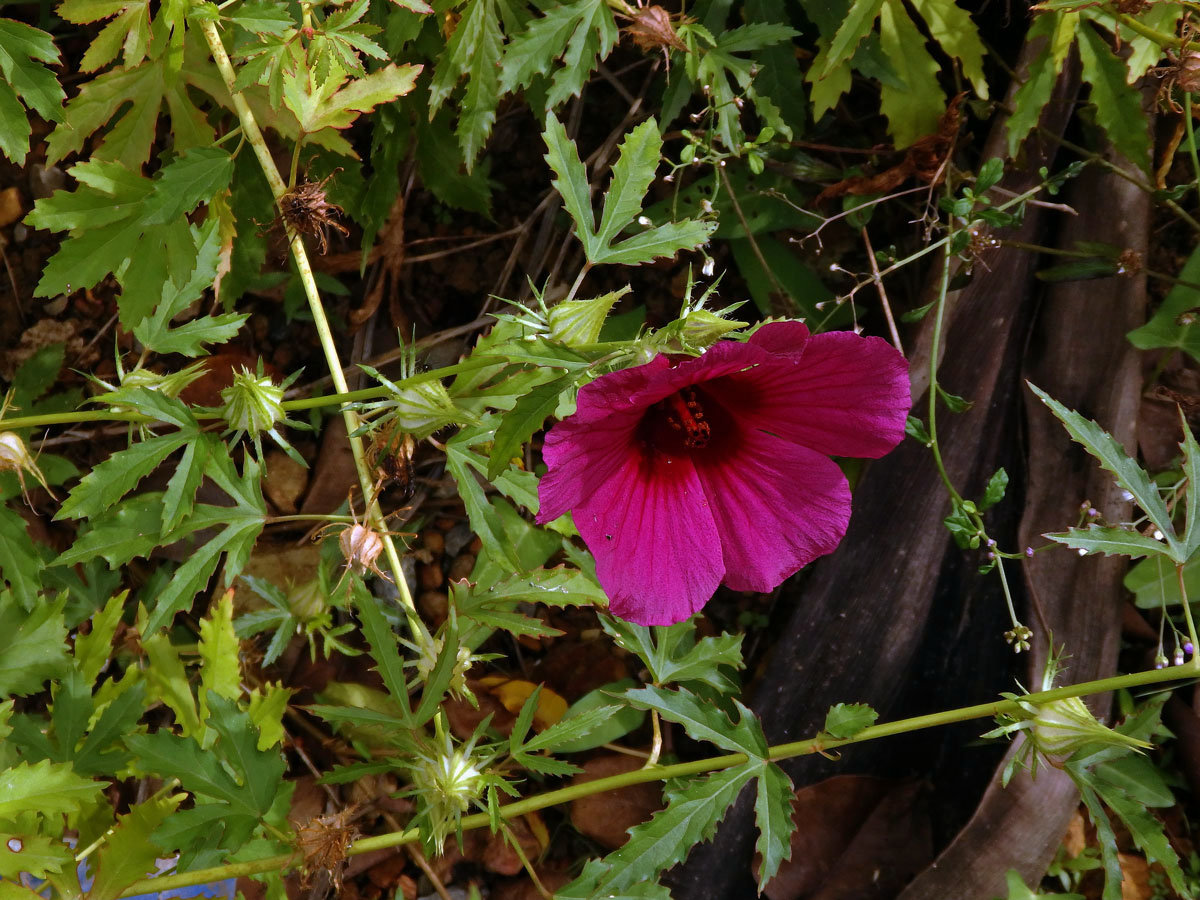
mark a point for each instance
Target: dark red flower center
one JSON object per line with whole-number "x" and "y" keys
{"x": 687, "y": 422}
{"x": 685, "y": 414}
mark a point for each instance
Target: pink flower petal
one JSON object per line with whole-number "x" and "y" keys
{"x": 649, "y": 526}
{"x": 777, "y": 505}
{"x": 841, "y": 394}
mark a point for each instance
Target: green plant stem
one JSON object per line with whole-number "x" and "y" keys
{"x": 683, "y": 770}
{"x": 1120, "y": 173}
{"x": 255, "y": 138}
{"x": 1191, "y": 136}
{"x": 934, "y": 350}
{"x": 1161, "y": 38}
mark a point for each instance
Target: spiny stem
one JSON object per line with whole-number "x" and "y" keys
{"x": 677, "y": 770}
{"x": 255, "y": 137}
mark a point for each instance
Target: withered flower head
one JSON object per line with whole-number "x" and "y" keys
{"x": 307, "y": 211}
{"x": 652, "y": 29}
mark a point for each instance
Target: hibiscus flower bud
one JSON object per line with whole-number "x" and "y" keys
{"x": 702, "y": 328}
{"x": 1061, "y": 727}
{"x": 253, "y": 403}
{"x": 449, "y": 781}
{"x": 307, "y": 601}
{"x": 422, "y": 409}
{"x": 578, "y": 322}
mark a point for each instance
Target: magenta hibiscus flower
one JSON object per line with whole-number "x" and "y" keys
{"x": 686, "y": 473}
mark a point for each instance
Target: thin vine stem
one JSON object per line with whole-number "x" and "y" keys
{"x": 266, "y": 162}
{"x": 682, "y": 770}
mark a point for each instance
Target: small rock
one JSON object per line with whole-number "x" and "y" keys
{"x": 462, "y": 567}
{"x": 430, "y": 576}
{"x": 12, "y": 207}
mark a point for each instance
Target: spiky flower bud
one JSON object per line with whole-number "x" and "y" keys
{"x": 1062, "y": 727}
{"x": 423, "y": 409}
{"x": 702, "y": 328}
{"x": 253, "y": 403}
{"x": 448, "y": 780}
{"x": 307, "y": 601}
{"x": 578, "y": 322}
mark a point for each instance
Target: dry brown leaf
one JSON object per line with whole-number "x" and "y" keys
{"x": 856, "y": 836}
{"x": 606, "y": 817}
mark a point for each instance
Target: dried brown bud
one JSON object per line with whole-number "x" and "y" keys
{"x": 307, "y": 211}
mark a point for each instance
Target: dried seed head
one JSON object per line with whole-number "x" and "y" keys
{"x": 361, "y": 546}
{"x": 1188, "y": 75}
{"x": 307, "y": 211}
{"x": 652, "y": 30}
{"x": 324, "y": 841}
{"x": 15, "y": 457}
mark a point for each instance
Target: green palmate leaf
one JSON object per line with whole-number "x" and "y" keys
{"x": 38, "y": 855}
{"x": 845, "y": 720}
{"x": 580, "y": 34}
{"x": 691, "y": 816}
{"x": 14, "y": 890}
{"x": 854, "y": 27}
{"x": 234, "y": 772}
{"x": 1111, "y": 540}
{"x": 1118, "y": 105}
{"x": 128, "y": 32}
{"x": 267, "y": 707}
{"x": 259, "y": 771}
{"x": 727, "y": 78}
{"x": 138, "y": 93}
{"x": 485, "y": 521}
{"x": 20, "y": 563}
{"x": 1147, "y": 832}
{"x": 128, "y": 853}
{"x": 673, "y": 655}
{"x": 620, "y": 721}
{"x": 994, "y": 492}
{"x": 703, "y": 721}
{"x": 1156, "y": 585}
{"x": 148, "y": 228}
{"x": 112, "y": 479}
{"x": 101, "y": 752}
{"x": 382, "y": 641}
{"x": 263, "y": 17}
{"x": 241, "y": 527}
{"x": 1174, "y": 322}
{"x": 131, "y": 529}
{"x": 952, "y": 28}
{"x": 438, "y": 681}
{"x": 220, "y": 673}
{"x": 92, "y": 649}
{"x": 1191, "y": 470}
{"x": 34, "y": 648}
{"x": 167, "y": 682}
{"x": 1057, "y": 31}
{"x": 525, "y": 418}
{"x": 23, "y": 50}
{"x": 914, "y": 108}
{"x": 1112, "y": 456}
{"x": 332, "y": 106}
{"x": 47, "y": 788}
{"x": 473, "y": 51}
{"x": 632, "y": 174}
{"x": 1145, "y": 52}
{"x": 773, "y": 816}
